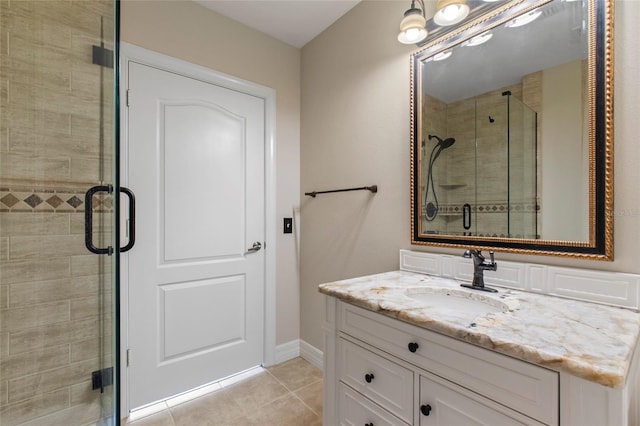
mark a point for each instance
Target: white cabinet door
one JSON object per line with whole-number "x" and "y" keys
{"x": 445, "y": 404}
{"x": 381, "y": 380}
{"x": 356, "y": 410}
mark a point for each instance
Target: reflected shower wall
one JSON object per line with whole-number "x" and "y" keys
{"x": 56, "y": 141}
{"x": 491, "y": 169}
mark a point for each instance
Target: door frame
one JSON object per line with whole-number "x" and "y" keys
{"x": 132, "y": 53}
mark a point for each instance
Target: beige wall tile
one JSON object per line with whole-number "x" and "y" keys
{"x": 40, "y": 383}
{"x": 47, "y": 291}
{"x": 85, "y": 349}
{"x": 52, "y": 335}
{"x": 23, "y": 70}
{"x": 15, "y": 319}
{"x": 40, "y": 121}
{"x": 85, "y": 169}
{"x": 42, "y": 246}
{"x": 4, "y": 344}
{"x": 27, "y": 141}
{"x": 4, "y": 296}
{"x": 76, "y": 221}
{"x": 4, "y": 248}
{"x": 33, "y": 224}
{"x": 29, "y": 96}
{"x": 4, "y": 397}
{"x": 41, "y": 405}
{"x": 32, "y": 362}
{"x": 82, "y": 393}
{"x": 84, "y": 265}
{"x": 21, "y": 166}
{"x": 85, "y": 126}
{"x": 21, "y": 271}
{"x": 84, "y": 414}
{"x": 85, "y": 307}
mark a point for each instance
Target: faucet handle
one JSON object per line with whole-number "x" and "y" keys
{"x": 492, "y": 258}
{"x": 467, "y": 254}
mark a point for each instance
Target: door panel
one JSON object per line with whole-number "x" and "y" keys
{"x": 196, "y": 294}
{"x": 217, "y": 301}
{"x": 204, "y": 160}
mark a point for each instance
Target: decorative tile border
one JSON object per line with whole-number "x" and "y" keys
{"x": 59, "y": 200}
{"x": 492, "y": 207}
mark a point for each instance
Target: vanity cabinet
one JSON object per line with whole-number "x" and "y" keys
{"x": 545, "y": 361}
{"x": 389, "y": 372}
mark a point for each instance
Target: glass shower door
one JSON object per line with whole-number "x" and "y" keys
{"x": 58, "y": 300}
{"x": 523, "y": 205}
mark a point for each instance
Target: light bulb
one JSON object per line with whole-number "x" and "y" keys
{"x": 450, "y": 12}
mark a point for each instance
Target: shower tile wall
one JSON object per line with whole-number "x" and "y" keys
{"x": 480, "y": 147}
{"x": 50, "y": 286}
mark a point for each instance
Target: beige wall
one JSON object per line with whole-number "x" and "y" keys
{"x": 355, "y": 131}
{"x": 190, "y": 32}
{"x": 564, "y": 186}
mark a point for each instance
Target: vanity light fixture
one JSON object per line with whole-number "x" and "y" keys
{"x": 413, "y": 27}
{"x": 525, "y": 19}
{"x": 479, "y": 39}
{"x": 450, "y": 12}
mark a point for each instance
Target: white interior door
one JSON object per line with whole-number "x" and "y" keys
{"x": 196, "y": 290}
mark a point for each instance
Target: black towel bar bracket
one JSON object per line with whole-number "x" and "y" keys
{"x": 372, "y": 188}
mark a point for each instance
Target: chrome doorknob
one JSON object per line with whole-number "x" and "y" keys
{"x": 254, "y": 248}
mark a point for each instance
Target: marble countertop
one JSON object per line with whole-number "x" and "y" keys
{"x": 588, "y": 340}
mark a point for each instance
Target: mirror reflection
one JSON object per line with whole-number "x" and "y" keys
{"x": 504, "y": 130}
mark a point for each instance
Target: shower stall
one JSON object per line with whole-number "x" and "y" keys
{"x": 58, "y": 299}
{"x": 486, "y": 183}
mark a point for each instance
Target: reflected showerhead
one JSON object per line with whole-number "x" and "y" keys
{"x": 440, "y": 146}
{"x": 447, "y": 143}
{"x": 443, "y": 144}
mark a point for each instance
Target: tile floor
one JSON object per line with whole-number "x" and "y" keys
{"x": 287, "y": 394}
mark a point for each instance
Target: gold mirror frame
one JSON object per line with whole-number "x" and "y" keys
{"x": 600, "y": 125}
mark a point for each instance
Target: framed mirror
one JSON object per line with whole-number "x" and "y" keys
{"x": 512, "y": 131}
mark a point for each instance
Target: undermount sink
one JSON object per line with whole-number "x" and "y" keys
{"x": 469, "y": 302}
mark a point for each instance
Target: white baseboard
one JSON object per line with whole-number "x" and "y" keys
{"x": 299, "y": 348}
{"x": 311, "y": 354}
{"x": 287, "y": 351}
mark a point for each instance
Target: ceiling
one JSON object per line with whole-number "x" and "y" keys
{"x": 557, "y": 37}
{"x": 295, "y": 22}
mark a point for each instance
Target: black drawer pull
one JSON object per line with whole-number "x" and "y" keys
{"x": 413, "y": 346}
{"x": 425, "y": 409}
{"x": 369, "y": 424}
{"x": 368, "y": 377}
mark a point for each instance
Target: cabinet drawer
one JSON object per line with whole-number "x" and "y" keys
{"x": 357, "y": 410}
{"x": 383, "y": 381}
{"x": 443, "y": 403}
{"x": 524, "y": 387}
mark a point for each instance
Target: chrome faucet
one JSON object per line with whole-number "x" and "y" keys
{"x": 480, "y": 264}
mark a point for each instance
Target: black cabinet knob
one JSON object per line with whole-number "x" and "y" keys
{"x": 425, "y": 409}
{"x": 368, "y": 378}
{"x": 413, "y": 346}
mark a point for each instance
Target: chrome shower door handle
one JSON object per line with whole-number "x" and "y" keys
{"x": 255, "y": 247}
